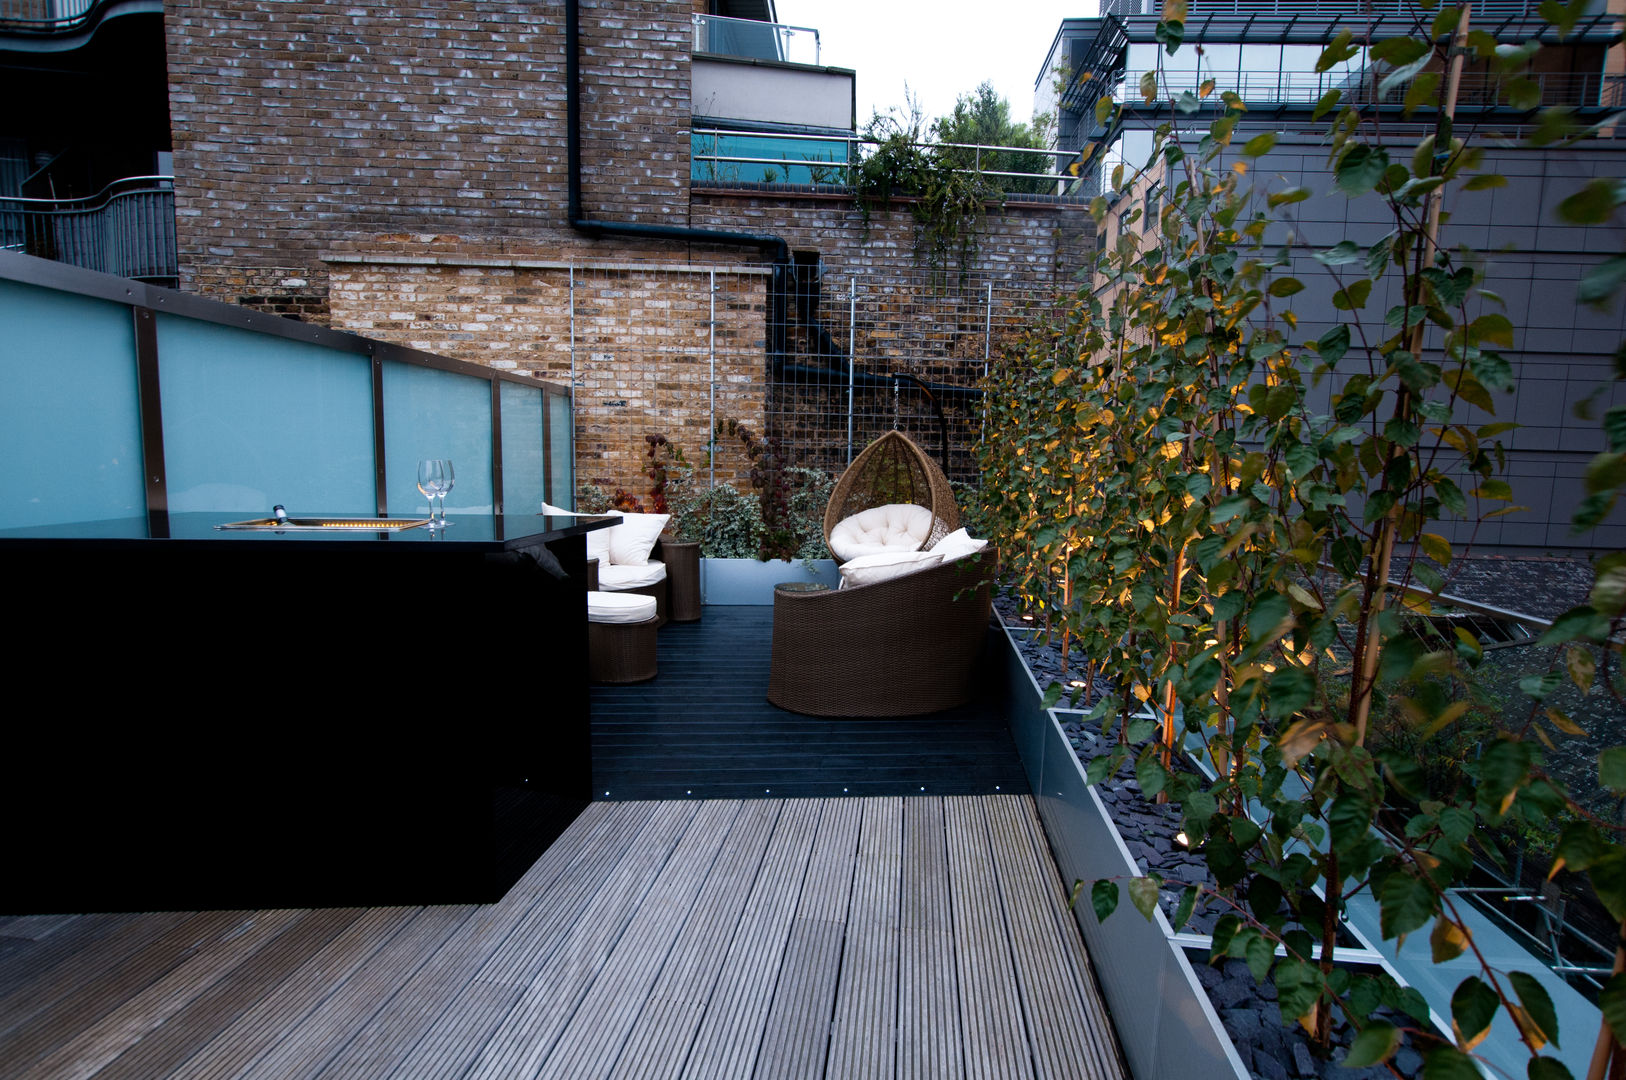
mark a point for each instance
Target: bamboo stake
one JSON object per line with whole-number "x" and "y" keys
{"x": 1607, "y": 1050}
{"x": 1378, "y": 572}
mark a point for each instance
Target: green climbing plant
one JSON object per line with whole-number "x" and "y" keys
{"x": 1223, "y": 514}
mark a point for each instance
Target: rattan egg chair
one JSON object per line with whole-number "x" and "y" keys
{"x": 902, "y": 647}
{"x": 893, "y": 469}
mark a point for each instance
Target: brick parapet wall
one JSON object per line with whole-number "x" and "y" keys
{"x": 303, "y": 126}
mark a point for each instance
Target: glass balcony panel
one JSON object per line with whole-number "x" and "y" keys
{"x": 736, "y": 158}
{"x": 72, "y": 434}
{"x": 437, "y": 414}
{"x": 1222, "y": 63}
{"x": 252, "y": 420}
{"x": 524, "y": 451}
{"x": 754, "y": 40}
{"x": 561, "y": 451}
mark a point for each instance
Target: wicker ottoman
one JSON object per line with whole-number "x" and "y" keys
{"x": 620, "y": 637}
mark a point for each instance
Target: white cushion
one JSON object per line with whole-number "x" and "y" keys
{"x": 893, "y": 527}
{"x": 633, "y": 539}
{"x": 619, "y": 608}
{"x": 957, "y": 545}
{"x": 598, "y": 542}
{"x": 871, "y": 569}
{"x": 616, "y": 576}
{"x": 556, "y": 511}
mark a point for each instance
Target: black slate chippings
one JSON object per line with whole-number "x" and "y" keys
{"x": 703, "y": 728}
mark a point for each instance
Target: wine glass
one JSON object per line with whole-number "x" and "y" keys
{"x": 446, "y": 478}
{"x": 431, "y": 480}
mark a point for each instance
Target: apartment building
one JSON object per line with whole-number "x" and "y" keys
{"x": 1266, "y": 50}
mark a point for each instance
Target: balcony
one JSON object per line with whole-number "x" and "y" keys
{"x": 727, "y": 157}
{"x": 1263, "y": 88}
{"x": 57, "y": 25}
{"x": 46, "y": 16}
{"x": 127, "y": 229}
{"x": 748, "y": 39}
{"x": 755, "y": 73}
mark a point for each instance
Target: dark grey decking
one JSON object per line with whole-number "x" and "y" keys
{"x": 703, "y": 728}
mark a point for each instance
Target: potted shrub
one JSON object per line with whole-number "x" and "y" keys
{"x": 775, "y": 533}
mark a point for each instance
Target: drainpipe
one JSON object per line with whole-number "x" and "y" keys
{"x": 774, "y": 246}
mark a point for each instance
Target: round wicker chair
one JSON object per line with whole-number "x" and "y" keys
{"x": 893, "y": 469}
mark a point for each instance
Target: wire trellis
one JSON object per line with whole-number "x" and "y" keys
{"x": 824, "y": 366}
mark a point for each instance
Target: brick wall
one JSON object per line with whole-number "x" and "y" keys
{"x": 303, "y": 127}
{"x": 399, "y": 171}
{"x": 932, "y": 323}
{"x": 643, "y": 344}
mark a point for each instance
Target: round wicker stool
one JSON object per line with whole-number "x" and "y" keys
{"x": 620, "y": 637}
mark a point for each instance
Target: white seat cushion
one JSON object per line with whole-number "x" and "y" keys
{"x": 957, "y": 545}
{"x": 613, "y": 577}
{"x": 598, "y": 542}
{"x": 633, "y": 539}
{"x": 619, "y": 608}
{"x": 872, "y": 569}
{"x": 893, "y": 527}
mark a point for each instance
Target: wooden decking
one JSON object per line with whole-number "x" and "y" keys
{"x": 876, "y": 937}
{"x": 703, "y": 728}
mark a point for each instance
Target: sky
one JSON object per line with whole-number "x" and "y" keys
{"x": 939, "y": 48}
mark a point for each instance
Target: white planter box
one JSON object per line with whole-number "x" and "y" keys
{"x": 750, "y": 581}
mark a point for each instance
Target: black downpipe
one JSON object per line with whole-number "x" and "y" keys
{"x": 774, "y": 246}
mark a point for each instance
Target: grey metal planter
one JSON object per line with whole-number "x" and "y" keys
{"x": 1166, "y": 1024}
{"x": 751, "y": 581}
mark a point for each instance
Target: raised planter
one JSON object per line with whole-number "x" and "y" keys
{"x": 1170, "y": 1028}
{"x": 1146, "y": 971}
{"x": 751, "y": 581}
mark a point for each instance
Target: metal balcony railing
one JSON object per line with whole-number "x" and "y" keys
{"x": 45, "y": 16}
{"x": 1483, "y": 9}
{"x": 1585, "y": 90}
{"x": 752, "y": 40}
{"x": 726, "y": 157}
{"x": 128, "y": 228}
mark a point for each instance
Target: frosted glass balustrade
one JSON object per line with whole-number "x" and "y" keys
{"x": 69, "y": 424}
{"x": 524, "y": 452}
{"x": 251, "y": 416}
{"x": 562, "y": 450}
{"x": 437, "y": 414}
{"x": 252, "y": 420}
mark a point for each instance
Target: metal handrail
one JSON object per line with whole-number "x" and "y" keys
{"x": 124, "y": 229}
{"x": 710, "y": 32}
{"x": 48, "y": 16}
{"x": 1320, "y": 7}
{"x": 1306, "y": 88}
{"x": 156, "y": 180}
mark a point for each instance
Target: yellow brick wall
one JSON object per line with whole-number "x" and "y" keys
{"x": 643, "y": 345}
